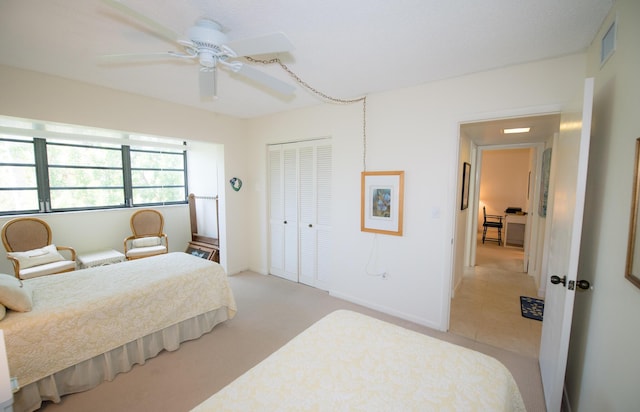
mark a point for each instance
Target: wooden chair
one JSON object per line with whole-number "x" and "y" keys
{"x": 148, "y": 238}
{"x": 491, "y": 221}
{"x": 28, "y": 244}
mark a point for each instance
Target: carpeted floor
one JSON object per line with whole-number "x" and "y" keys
{"x": 271, "y": 312}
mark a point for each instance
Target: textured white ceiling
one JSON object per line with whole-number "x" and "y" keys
{"x": 344, "y": 48}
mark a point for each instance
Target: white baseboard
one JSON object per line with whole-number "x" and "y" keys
{"x": 384, "y": 309}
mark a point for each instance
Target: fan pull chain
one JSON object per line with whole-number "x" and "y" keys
{"x": 327, "y": 98}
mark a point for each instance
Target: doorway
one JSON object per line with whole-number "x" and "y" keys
{"x": 489, "y": 279}
{"x": 486, "y": 306}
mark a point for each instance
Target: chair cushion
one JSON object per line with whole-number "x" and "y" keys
{"x": 15, "y": 294}
{"x": 3, "y": 311}
{"x": 48, "y": 269}
{"x": 146, "y": 241}
{"x": 36, "y": 257}
{"x": 146, "y": 251}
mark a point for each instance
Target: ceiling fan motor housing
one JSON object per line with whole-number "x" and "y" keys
{"x": 208, "y": 38}
{"x": 207, "y": 33}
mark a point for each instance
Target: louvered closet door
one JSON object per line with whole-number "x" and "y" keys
{"x": 290, "y": 189}
{"x": 300, "y": 247}
{"x": 276, "y": 211}
{"x": 283, "y": 211}
{"x": 315, "y": 214}
{"x": 324, "y": 168}
{"x": 307, "y": 216}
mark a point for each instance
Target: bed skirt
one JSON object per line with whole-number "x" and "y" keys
{"x": 90, "y": 373}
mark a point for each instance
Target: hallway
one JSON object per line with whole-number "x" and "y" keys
{"x": 486, "y": 306}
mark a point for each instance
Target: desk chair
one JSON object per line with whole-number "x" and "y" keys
{"x": 491, "y": 221}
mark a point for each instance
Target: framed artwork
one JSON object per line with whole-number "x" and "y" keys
{"x": 466, "y": 179}
{"x": 202, "y": 250}
{"x": 382, "y": 202}
{"x": 544, "y": 183}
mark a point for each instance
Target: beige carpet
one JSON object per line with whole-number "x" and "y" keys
{"x": 271, "y": 312}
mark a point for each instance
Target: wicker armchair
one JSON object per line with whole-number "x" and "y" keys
{"x": 28, "y": 244}
{"x": 148, "y": 238}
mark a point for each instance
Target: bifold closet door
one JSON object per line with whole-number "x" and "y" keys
{"x": 300, "y": 200}
{"x": 315, "y": 224}
{"x": 283, "y": 165}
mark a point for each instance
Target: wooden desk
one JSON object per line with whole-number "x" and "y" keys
{"x": 514, "y": 229}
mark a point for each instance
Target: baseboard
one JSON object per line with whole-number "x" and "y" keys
{"x": 384, "y": 309}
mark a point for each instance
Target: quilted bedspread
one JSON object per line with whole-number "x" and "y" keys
{"x": 348, "y": 361}
{"x": 81, "y": 314}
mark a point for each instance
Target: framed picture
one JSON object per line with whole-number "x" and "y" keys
{"x": 466, "y": 179}
{"x": 202, "y": 250}
{"x": 382, "y": 202}
{"x": 544, "y": 183}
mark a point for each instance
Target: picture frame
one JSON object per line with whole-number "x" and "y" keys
{"x": 544, "y": 182}
{"x": 202, "y": 250}
{"x": 632, "y": 269}
{"x": 466, "y": 183}
{"x": 382, "y": 202}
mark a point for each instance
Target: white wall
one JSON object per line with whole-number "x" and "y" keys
{"x": 415, "y": 130}
{"x": 503, "y": 180}
{"x": 89, "y": 231}
{"x": 463, "y": 218}
{"x": 36, "y": 96}
{"x": 602, "y": 371}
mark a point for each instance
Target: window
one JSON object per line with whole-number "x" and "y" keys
{"x": 157, "y": 177}
{"x": 66, "y": 167}
{"x": 18, "y": 186}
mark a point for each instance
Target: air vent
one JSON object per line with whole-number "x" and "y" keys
{"x": 608, "y": 45}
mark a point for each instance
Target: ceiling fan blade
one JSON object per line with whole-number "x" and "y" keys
{"x": 134, "y": 57}
{"x": 137, "y": 58}
{"x": 208, "y": 82}
{"x": 270, "y": 43}
{"x": 157, "y": 28}
{"x": 265, "y": 79}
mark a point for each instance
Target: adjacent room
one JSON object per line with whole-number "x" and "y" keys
{"x": 341, "y": 157}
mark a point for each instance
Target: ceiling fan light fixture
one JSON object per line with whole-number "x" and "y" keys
{"x": 207, "y": 59}
{"x": 515, "y": 130}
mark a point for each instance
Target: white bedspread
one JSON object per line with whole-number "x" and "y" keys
{"x": 78, "y": 315}
{"x": 348, "y": 361}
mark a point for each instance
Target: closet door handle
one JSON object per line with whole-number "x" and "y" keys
{"x": 285, "y": 222}
{"x": 310, "y": 225}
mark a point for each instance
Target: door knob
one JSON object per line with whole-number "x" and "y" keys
{"x": 583, "y": 284}
{"x": 310, "y": 225}
{"x": 557, "y": 279}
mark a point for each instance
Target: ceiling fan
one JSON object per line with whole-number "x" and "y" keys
{"x": 209, "y": 45}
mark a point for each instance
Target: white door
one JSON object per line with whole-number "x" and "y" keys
{"x": 283, "y": 210}
{"x": 300, "y": 200}
{"x": 315, "y": 214}
{"x": 569, "y": 160}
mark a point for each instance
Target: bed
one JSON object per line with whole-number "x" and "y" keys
{"x": 349, "y": 361}
{"x": 87, "y": 326}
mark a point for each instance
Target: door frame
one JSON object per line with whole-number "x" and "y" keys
{"x": 533, "y": 220}
{"x": 467, "y": 243}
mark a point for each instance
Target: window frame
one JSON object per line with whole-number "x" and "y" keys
{"x": 43, "y": 168}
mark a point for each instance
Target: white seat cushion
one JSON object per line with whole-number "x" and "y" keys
{"x": 144, "y": 251}
{"x": 48, "y": 269}
{"x": 146, "y": 241}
